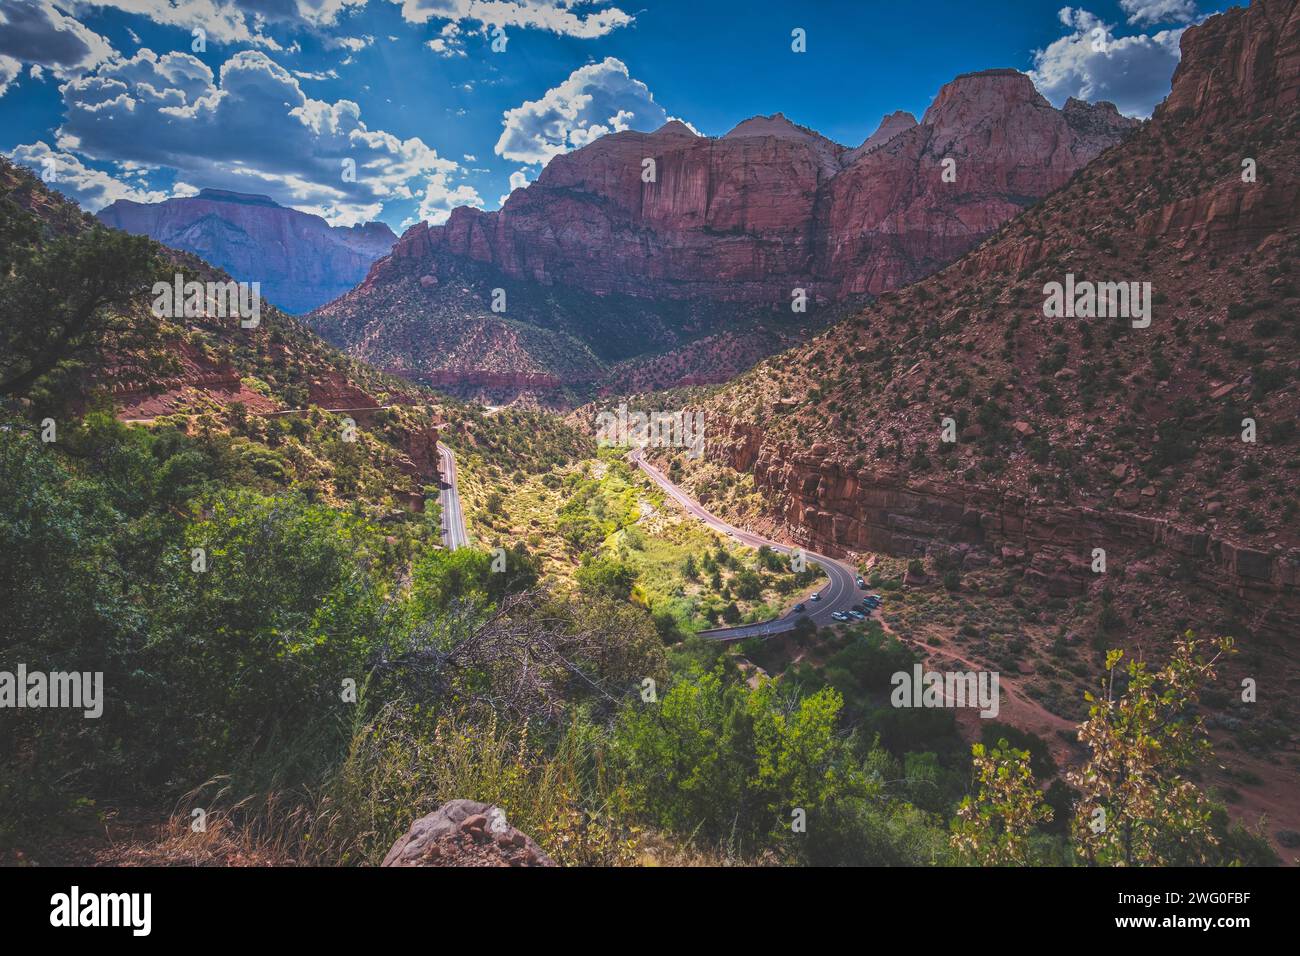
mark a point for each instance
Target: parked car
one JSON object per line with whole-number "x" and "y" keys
{"x": 861, "y": 583}
{"x": 839, "y": 615}
{"x": 857, "y": 615}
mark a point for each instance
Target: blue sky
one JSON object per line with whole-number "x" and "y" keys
{"x": 114, "y": 99}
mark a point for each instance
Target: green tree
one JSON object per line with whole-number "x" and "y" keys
{"x": 65, "y": 298}
{"x": 606, "y": 577}
{"x": 993, "y": 827}
{"x": 1136, "y": 806}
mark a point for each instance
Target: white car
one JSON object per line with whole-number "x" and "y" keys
{"x": 839, "y": 615}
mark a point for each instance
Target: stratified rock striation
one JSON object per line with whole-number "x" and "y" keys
{"x": 772, "y": 205}
{"x": 713, "y": 235}
{"x": 1080, "y": 433}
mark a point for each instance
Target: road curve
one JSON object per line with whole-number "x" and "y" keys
{"x": 840, "y": 593}
{"x": 454, "y": 534}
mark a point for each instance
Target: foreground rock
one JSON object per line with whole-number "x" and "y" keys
{"x": 465, "y": 833}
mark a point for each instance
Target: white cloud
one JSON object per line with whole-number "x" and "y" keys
{"x": 250, "y": 129}
{"x": 576, "y": 18}
{"x": 92, "y": 188}
{"x": 229, "y": 21}
{"x": 35, "y": 32}
{"x": 1091, "y": 63}
{"x": 351, "y": 44}
{"x": 223, "y": 21}
{"x": 9, "y": 70}
{"x": 596, "y": 99}
{"x": 440, "y": 198}
{"x": 518, "y": 180}
{"x": 1159, "y": 11}
{"x": 445, "y": 47}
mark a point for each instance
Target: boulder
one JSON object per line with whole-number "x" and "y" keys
{"x": 465, "y": 833}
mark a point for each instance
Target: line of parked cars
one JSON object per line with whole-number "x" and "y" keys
{"x": 869, "y": 604}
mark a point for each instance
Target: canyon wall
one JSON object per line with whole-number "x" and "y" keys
{"x": 772, "y": 206}
{"x": 833, "y": 508}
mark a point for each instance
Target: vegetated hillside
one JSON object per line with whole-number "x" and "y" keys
{"x": 300, "y": 260}
{"x": 259, "y": 391}
{"x": 303, "y": 664}
{"x": 1080, "y": 433}
{"x": 430, "y": 319}
{"x": 686, "y": 272}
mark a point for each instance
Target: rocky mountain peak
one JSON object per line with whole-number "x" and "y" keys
{"x": 899, "y": 121}
{"x": 675, "y": 128}
{"x": 301, "y": 260}
{"x": 971, "y": 97}
{"x": 1244, "y": 62}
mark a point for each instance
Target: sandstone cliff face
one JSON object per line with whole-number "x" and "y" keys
{"x": 301, "y": 261}
{"x": 772, "y": 206}
{"x": 1245, "y": 62}
{"x": 891, "y": 215}
{"x": 1077, "y": 434}
{"x": 832, "y": 507}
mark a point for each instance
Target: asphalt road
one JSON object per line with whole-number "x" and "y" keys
{"x": 840, "y": 593}
{"x": 454, "y": 534}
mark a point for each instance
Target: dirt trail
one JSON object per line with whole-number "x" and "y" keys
{"x": 1016, "y": 708}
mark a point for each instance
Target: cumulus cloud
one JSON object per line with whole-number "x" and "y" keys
{"x": 596, "y": 99}
{"x": 228, "y": 21}
{"x": 9, "y": 70}
{"x": 252, "y": 128}
{"x": 1159, "y": 11}
{"x": 448, "y": 42}
{"x": 93, "y": 189}
{"x": 440, "y": 198}
{"x": 1091, "y": 63}
{"x": 351, "y": 44}
{"x": 223, "y": 21}
{"x": 518, "y": 180}
{"x": 576, "y": 18}
{"x": 36, "y": 33}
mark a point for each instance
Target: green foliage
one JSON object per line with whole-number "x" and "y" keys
{"x": 605, "y": 576}
{"x": 63, "y": 295}
{"x": 1137, "y": 806}
{"x": 993, "y": 827}
{"x": 730, "y": 764}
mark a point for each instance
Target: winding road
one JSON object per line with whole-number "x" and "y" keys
{"x": 840, "y": 593}
{"x": 454, "y": 534}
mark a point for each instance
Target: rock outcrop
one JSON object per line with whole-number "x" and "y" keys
{"x": 834, "y": 508}
{"x": 465, "y": 833}
{"x": 772, "y": 205}
{"x": 301, "y": 261}
{"x": 1080, "y": 433}
{"x": 713, "y": 234}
